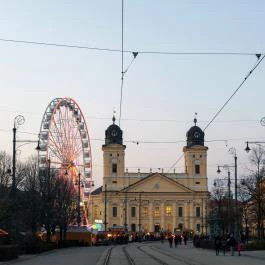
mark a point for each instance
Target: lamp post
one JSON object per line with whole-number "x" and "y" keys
{"x": 229, "y": 192}
{"x": 78, "y": 182}
{"x": 105, "y": 208}
{"x": 125, "y": 214}
{"x": 140, "y": 212}
{"x": 19, "y": 120}
{"x": 232, "y": 151}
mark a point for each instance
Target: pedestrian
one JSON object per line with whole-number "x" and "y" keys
{"x": 170, "y": 240}
{"x": 217, "y": 242}
{"x": 176, "y": 240}
{"x": 185, "y": 239}
{"x": 238, "y": 247}
{"x": 232, "y": 244}
{"x": 223, "y": 244}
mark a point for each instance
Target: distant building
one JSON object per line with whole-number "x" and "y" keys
{"x": 152, "y": 201}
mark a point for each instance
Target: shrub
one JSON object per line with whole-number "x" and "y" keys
{"x": 8, "y": 252}
{"x": 256, "y": 245}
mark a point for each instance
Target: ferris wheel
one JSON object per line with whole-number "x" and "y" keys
{"x": 64, "y": 142}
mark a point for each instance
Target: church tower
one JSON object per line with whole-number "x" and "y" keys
{"x": 195, "y": 153}
{"x": 113, "y": 157}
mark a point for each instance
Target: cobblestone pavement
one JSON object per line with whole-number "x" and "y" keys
{"x": 95, "y": 256}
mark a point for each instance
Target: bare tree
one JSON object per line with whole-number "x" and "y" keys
{"x": 254, "y": 185}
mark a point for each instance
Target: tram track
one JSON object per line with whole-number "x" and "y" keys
{"x": 185, "y": 260}
{"x": 136, "y": 254}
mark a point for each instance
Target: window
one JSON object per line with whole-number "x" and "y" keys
{"x": 96, "y": 212}
{"x": 169, "y": 227}
{"x": 114, "y": 211}
{"x": 198, "y": 211}
{"x": 145, "y": 211}
{"x": 133, "y": 211}
{"x": 180, "y": 211}
{"x": 197, "y": 169}
{"x": 114, "y": 168}
{"x": 157, "y": 211}
{"x": 133, "y": 227}
{"x": 198, "y": 227}
{"x": 168, "y": 210}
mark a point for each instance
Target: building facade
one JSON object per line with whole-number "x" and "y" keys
{"x": 152, "y": 201}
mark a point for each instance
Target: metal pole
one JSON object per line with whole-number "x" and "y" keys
{"x": 14, "y": 160}
{"x": 105, "y": 212}
{"x": 229, "y": 200}
{"x": 78, "y": 206}
{"x": 125, "y": 215}
{"x": 139, "y": 212}
{"x": 202, "y": 215}
{"x": 236, "y": 204}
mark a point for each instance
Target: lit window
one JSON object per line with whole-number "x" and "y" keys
{"x": 157, "y": 211}
{"x": 96, "y": 212}
{"x": 168, "y": 210}
{"x": 145, "y": 211}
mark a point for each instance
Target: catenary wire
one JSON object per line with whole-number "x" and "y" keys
{"x": 237, "y": 89}
{"x": 219, "y": 111}
{"x": 126, "y": 51}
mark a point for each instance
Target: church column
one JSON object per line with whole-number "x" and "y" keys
{"x": 192, "y": 215}
{"x": 162, "y": 218}
{"x": 151, "y": 217}
{"x": 174, "y": 215}
{"x": 187, "y": 216}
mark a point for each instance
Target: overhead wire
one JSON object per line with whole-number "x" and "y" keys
{"x": 125, "y": 51}
{"x": 237, "y": 89}
{"x": 227, "y": 101}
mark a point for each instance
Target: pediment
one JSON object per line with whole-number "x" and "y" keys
{"x": 157, "y": 183}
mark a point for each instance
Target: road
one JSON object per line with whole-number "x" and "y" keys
{"x": 140, "y": 253}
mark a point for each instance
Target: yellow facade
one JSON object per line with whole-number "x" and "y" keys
{"x": 152, "y": 202}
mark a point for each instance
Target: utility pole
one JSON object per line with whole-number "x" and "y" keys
{"x": 139, "y": 212}
{"x": 78, "y": 206}
{"x": 105, "y": 210}
{"x": 125, "y": 214}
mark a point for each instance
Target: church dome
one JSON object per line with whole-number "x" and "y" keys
{"x": 195, "y": 135}
{"x": 113, "y": 134}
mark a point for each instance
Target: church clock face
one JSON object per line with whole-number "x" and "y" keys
{"x": 197, "y": 135}
{"x": 114, "y": 133}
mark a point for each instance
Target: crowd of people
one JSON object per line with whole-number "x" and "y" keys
{"x": 226, "y": 243}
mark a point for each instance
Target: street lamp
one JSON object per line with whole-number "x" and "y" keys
{"x": 78, "y": 182}
{"x": 105, "y": 208}
{"x": 140, "y": 212}
{"x": 232, "y": 151}
{"x": 226, "y": 167}
{"x": 18, "y": 120}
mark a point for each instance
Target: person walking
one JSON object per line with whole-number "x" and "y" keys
{"x": 217, "y": 242}
{"x": 185, "y": 239}
{"x": 170, "y": 240}
{"x": 223, "y": 244}
{"x": 232, "y": 244}
{"x": 176, "y": 240}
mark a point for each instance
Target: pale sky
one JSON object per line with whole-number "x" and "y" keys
{"x": 161, "y": 92}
